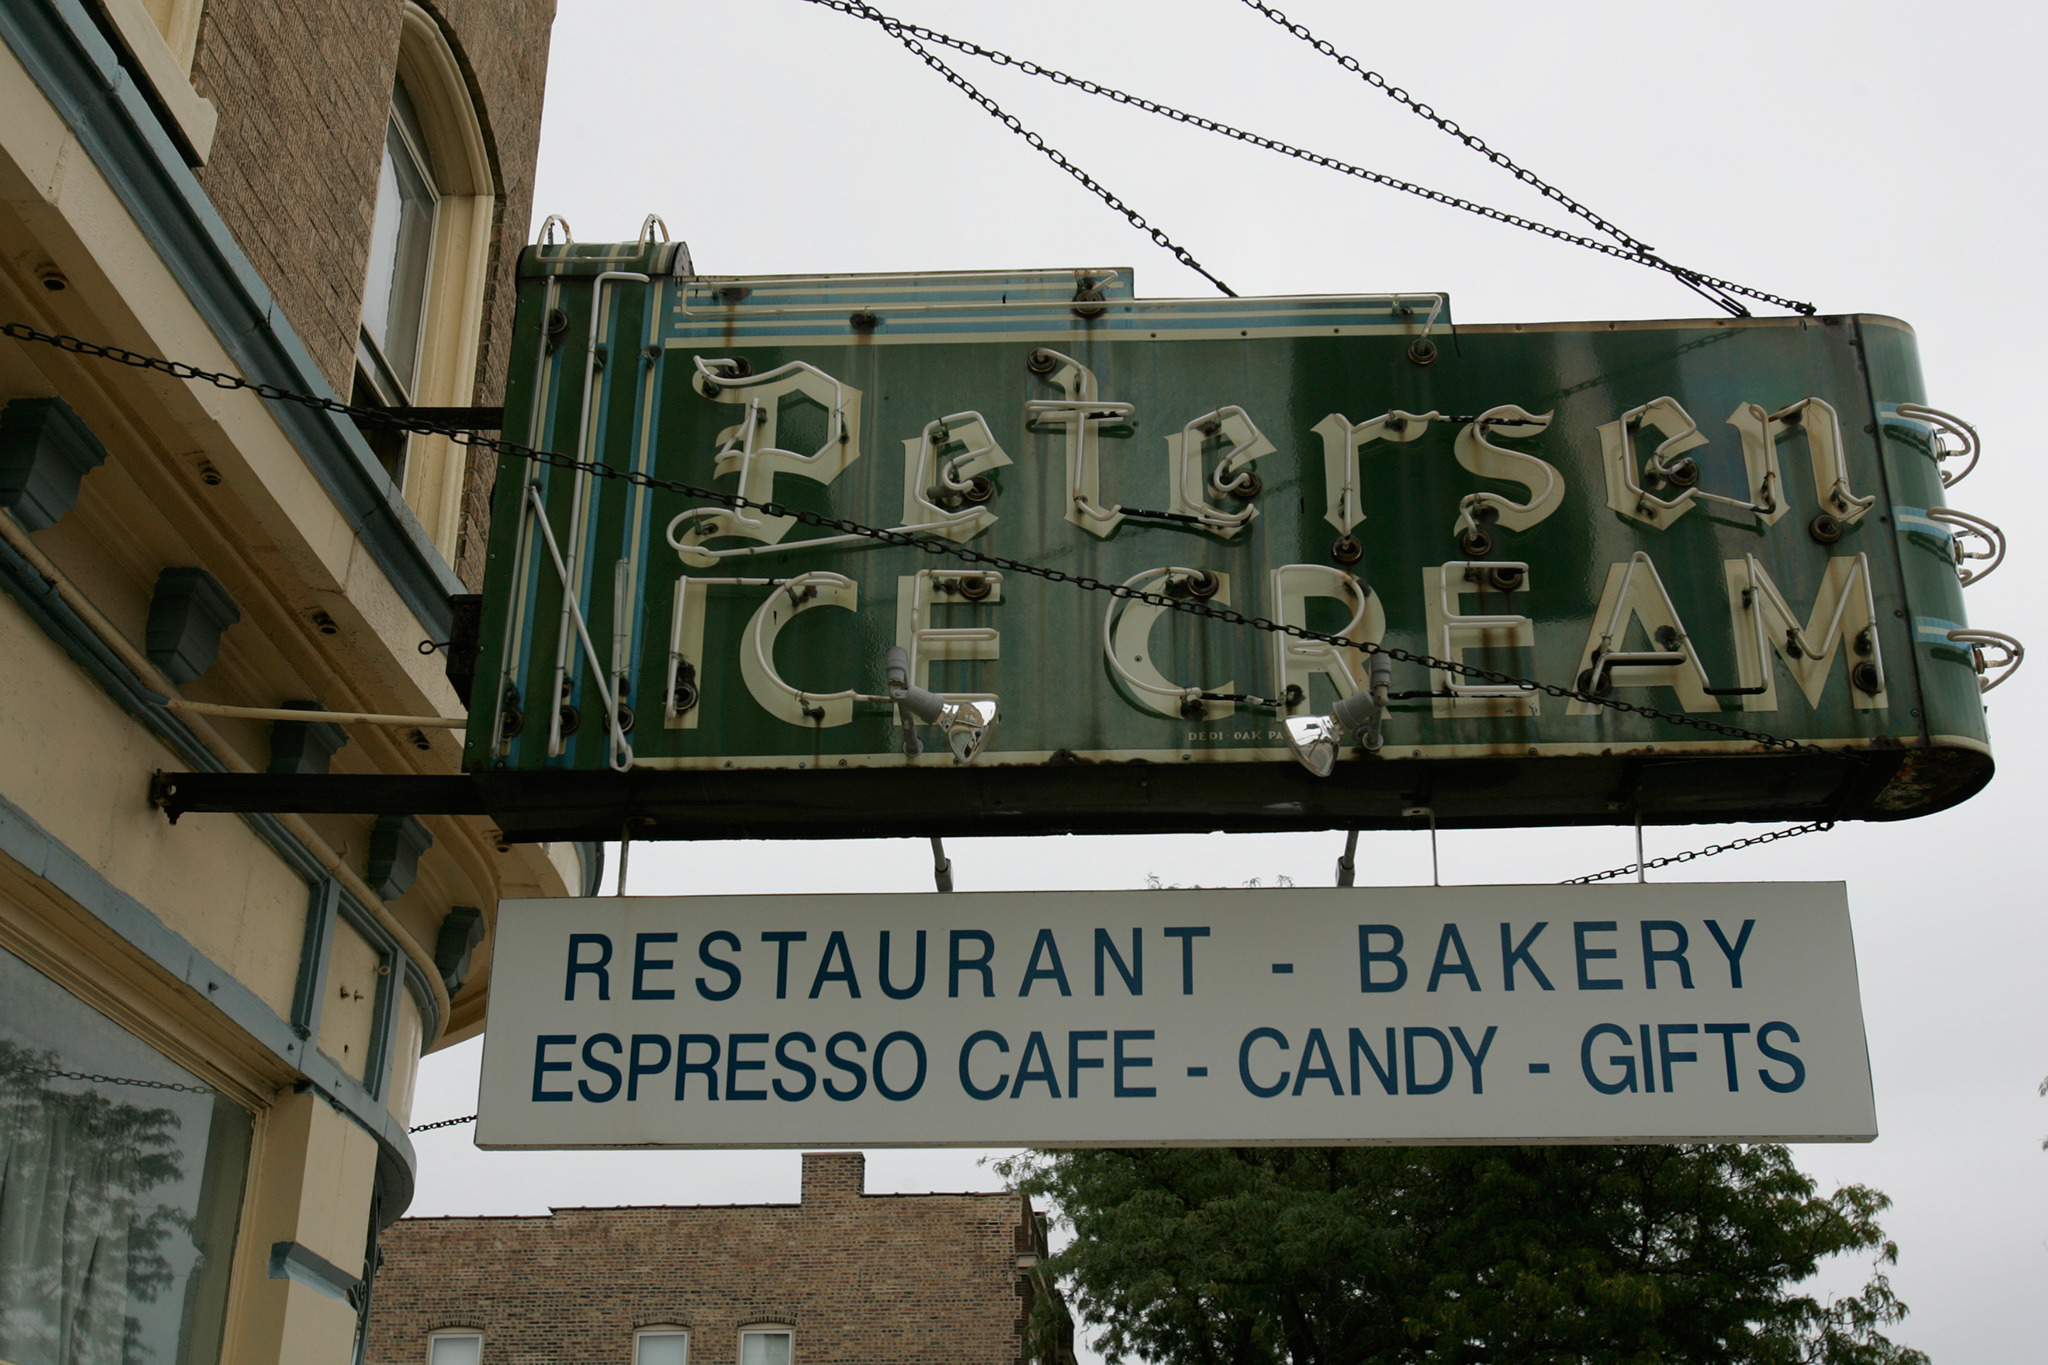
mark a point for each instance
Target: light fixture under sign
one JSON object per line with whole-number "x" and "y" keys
{"x": 1316, "y": 740}
{"x": 965, "y": 724}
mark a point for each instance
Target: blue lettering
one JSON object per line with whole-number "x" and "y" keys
{"x": 1408, "y": 1037}
{"x": 850, "y": 1067}
{"x": 1367, "y": 957}
{"x": 1035, "y": 1046}
{"x": 790, "y": 1063}
{"x": 1763, "y": 1045}
{"x": 635, "y": 1068}
{"x": 1586, "y": 954}
{"x": 1665, "y": 1056}
{"x": 1187, "y": 936}
{"x": 1244, "y": 1062}
{"x": 718, "y": 964}
{"x": 1312, "y": 1047}
{"x": 1675, "y": 955}
{"x": 1733, "y": 953}
{"x": 1076, "y": 1063}
{"x": 1728, "y": 1032}
{"x": 1443, "y": 966}
{"x": 1512, "y": 952}
{"x": 782, "y": 938}
{"x": 916, "y": 983}
{"x": 1389, "y": 1075}
{"x": 843, "y": 974}
{"x": 643, "y": 964}
{"x": 708, "y": 1068}
{"x": 578, "y": 967}
{"x": 1475, "y": 1059}
{"x": 541, "y": 1066}
{"x": 733, "y": 1065}
{"x": 1045, "y": 945}
{"x": 987, "y": 1035}
{"x": 602, "y": 1068}
{"x": 1623, "y": 1060}
{"x": 957, "y": 964}
{"x": 1130, "y": 1092}
{"x": 917, "y": 1082}
{"x": 1134, "y": 974}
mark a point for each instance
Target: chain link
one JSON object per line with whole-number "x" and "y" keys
{"x": 97, "y": 1079}
{"x": 1635, "y": 253}
{"x": 906, "y": 35}
{"x": 444, "y": 1123}
{"x": 1714, "y": 289}
{"x": 930, "y": 545}
{"x": 1817, "y": 827}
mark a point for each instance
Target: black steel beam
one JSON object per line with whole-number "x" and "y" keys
{"x": 315, "y": 794}
{"x": 1097, "y": 798}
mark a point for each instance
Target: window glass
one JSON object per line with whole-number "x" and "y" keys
{"x": 119, "y": 1194}
{"x": 401, "y": 243}
{"x": 661, "y": 1348}
{"x": 465, "y": 1348}
{"x": 764, "y": 1348}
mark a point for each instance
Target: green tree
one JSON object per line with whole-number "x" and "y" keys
{"x": 1448, "y": 1255}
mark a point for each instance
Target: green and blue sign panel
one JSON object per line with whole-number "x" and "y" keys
{"x": 1728, "y": 520}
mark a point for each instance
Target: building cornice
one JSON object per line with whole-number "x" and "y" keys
{"x": 67, "y": 56}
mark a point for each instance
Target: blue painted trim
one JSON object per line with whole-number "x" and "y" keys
{"x": 42, "y": 855}
{"x": 78, "y": 72}
{"x": 19, "y": 579}
{"x": 309, "y": 995}
{"x": 290, "y": 1261}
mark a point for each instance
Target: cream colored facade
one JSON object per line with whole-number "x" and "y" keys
{"x": 261, "y": 980}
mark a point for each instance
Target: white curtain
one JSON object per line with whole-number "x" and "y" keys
{"x": 764, "y": 1348}
{"x": 79, "y": 1237}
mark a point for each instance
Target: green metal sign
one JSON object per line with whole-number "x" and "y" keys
{"x": 1738, "y": 521}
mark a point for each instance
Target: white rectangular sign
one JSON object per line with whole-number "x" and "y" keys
{"x": 1626, "y": 1013}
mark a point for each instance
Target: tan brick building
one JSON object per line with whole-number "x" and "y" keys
{"x": 842, "y": 1278}
{"x": 209, "y": 1030}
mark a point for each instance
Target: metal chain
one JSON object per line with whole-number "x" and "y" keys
{"x": 930, "y": 545}
{"x": 1714, "y": 289}
{"x": 98, "y": 1079}
{"x": 444, "y": 1123}
{"x": 903, "y": 34}
{"x": 1637, "y": 255}
{"x": 1817, "y": 827}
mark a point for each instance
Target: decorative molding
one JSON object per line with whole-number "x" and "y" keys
{"x": 46, "y": 450}
{"x": 43, "y": 856}
{"x": 188, "y": 613}
{"x": 80, "y": 74}
{"x": 304, "y": 746}
{"x": 461, "y": 932}
{"x": 290, "y": 1261}
{"x": 396, "y": 843}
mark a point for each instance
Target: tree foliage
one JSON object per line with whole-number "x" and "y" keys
{"x": 1444, "y": 1256}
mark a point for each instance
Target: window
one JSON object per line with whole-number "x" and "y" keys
{"x": 664, "y": 1345}
{"x": 455, "y": 1348}
{"x": 401, "y": 249}
{"x": 122, "y": 1174}
{"x": 428, "y": 265}
{"x": 765, "y": 1347}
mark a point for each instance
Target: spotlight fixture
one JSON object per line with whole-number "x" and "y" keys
{"x": 965, "y": 724}
{"x": 1316, "y": 740}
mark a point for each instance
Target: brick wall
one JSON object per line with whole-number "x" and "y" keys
{"x": 863, "y": 1279}
{"x": 303, "y": 89}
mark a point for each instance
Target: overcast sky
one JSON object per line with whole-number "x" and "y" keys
{"x": 1874, "y": 157}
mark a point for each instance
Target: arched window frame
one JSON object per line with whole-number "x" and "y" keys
{"x": 458, "y": 267}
